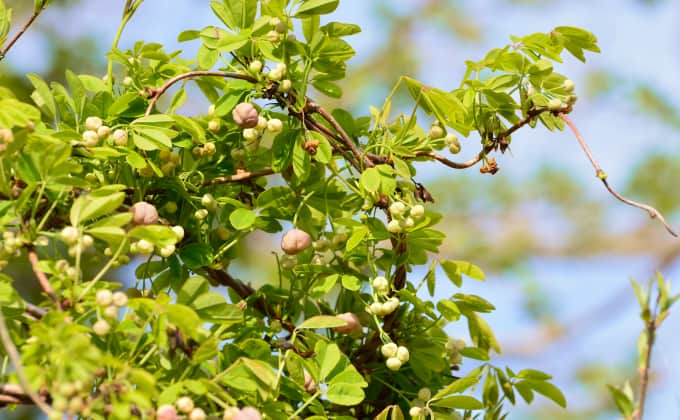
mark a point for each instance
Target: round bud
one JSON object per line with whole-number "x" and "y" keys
{"x": 179, "y": 232}
{"x": 90, "y": 138}
{"x": 273, "y": 36}
{"x": 261, "y": 123}
{"x": 381, "y": 285}
{"x": 285, "y": 85}
{"x": 295, "y": 241}
{"x": 167, "y": 251}
{"x": 417, "y": 211}
{"x": 185, "y": 405}
{"x": 93, "y": 123}
{"x": 454, "y": 148}
{"x": 101, "y": 327}
{"x": 415, "y": 411}
{"x": 197, "y": 414}
{"x": 166, "y": 412}
{"x": 403, "y": 354}
{"x": 376, "y": 308}
{"x": 245, "y": 115}
{"x": 397, "y": 208}
{"x": 292, "y": 37}
{"x": 171, "y": 207}
{"x": 209, "y": 202}
{"x": 274, "y": 21}
{"x": 70, "y": 234}
{"x": 393, "y": 363}
{"x": 167, "y": 168}
{"x": 222, "y": 233}
{"x": 436, "y": 131}
{"x": 87, "y": 241}
{"x": 451, "y": 138}
{"x": 248, "y": 413}
{"x": 214, "y": 125}
{"x": 120, "y": 299}
{"x": 144, "y": 247}
{"x": 456, "y": 359}
{"x": 339, "y": 239}
{"x": 275, "y": 74}
{"x": 209, "y": 148}
{"x": 120, "y": 137}
{"x": 111, "y": 312}
{"x": 321, "y": 244}
{"x": 255, "y": 66}
{"x": 353, "y": 324}
{"x": 237, "y": 154}
{"x": 6, "y": 135}
{"x": 568, "y": 86}
{"x": 127, "y": 81}
{"x": 555, "y": 104}
{"x": 275, "y": 125}
{"x": 201, "y": 214}
{"x": 144, "y": 213}
{"x": 103, "y": 132}
{"x": 571, "y": 100}
{"x": 104, "y": 297}
{"x": 251, "y": 134}
{"x": 393, "y": 226}
{"x": 389, "y": 350}
{"x": 424, "y": 394}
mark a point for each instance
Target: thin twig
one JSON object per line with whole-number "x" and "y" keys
{"x": 42, "y": 278}
{"x": 450, "y": 163}
{"x": 314, "y": 107}
{"x": 653, "y": 213}
{"x": 21, "y": 32}
{"x": 644, "y": 374}
{"x": 240, "y": 176}
{"x": 12, "y": 394}
{"x": 158, "y": 92}
{"x": 16, "y": 361}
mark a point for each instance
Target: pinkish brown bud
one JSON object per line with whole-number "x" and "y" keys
{"x": 144, "y": 213}
{"x": 353, "y": 324}
{"x": 248, "y": 413}
{"x": 295, "y": 241}
{"x": 245, "y": 115}
{"x": 310, "y": 385}
{"x": 166, "y": 412}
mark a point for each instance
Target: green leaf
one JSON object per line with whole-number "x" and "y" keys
{"x": 546, "y": 389}
{"x": 212, "y": 307}
{"x": 345, "y": 394}
{"x": 93, "y": 205}
{"x": 92, "y": 83}
{"x": 316, "y": 7}
{"x": 196, "y": 255}
{"x": 449, "y": 310}
{"x": 328, "y": 88}
{"x": 322, "y": 321}
{"x": 324, "y": 152}
{"x": 242, "y": 219}
{"x": 481, "y": 334}
{"x": 356, "y": 237}
{"x": 625, "y": 405}
{"x": 158, "y": 235}
{"x": 463, "y": 402}
{"x": 327, "y": 356}
{"x": 42, "y": 96}
{"x": 350, "y": 282}
{"x": 533, "y": 374}
{"x": 370, "y": 180}
{"x": 457, "y": 386}
{"x": 192, "y": 288}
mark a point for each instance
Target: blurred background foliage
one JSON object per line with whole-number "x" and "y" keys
{"x": 544, "y": 218}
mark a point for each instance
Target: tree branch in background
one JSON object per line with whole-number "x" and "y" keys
{"x": 653, "y": 213}
{"x": 42, "y": 278}
{"x": 21, "y": 32}
{"x": 16, "y": 361}
{"x": 240, "y": 176}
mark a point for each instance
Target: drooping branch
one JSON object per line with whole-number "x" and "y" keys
{"x": 156, "y": 93}
{"x": 20, "y": 33}
{"x": 653, "y": 213}
{"x": 13, "y": 354}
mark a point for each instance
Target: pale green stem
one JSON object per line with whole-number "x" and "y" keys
{"x": 303, "y": 406}
{"x": 104, "y": 269}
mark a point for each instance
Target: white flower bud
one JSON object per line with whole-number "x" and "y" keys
{"x": 120, "y": 137}
{"x": 101, "y": 327}
{"x": 90, "y": 138}
{"x": 389, "y": 350}
{"x": 403, "y": 354}
{"x": 185, "y": 405}
{"x": 120, "y": 299}
{"x": 104, "y": 297}
{"x": 381, "y": 285}
{"x": 93, "y": 123}
{"x": 393, "y": 363}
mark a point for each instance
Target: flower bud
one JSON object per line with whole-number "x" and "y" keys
{"x": 403, "y": 354}
{"x": 568, "y": 85}
{"x": 127, "y": 81}
{"x": 120, "y": 137}
{"x": 104, "y": 297}
{"x": 167, "y": 251}
{"x": 245, "y": 115}
{"x": 179, "y": 232}
{"x": 143, "y": 213}
{"x": 393, "y": 226}
{"x": 90, "y": 138}
{"x": 285, "y": 86}
{"x": 255, "y": 66}
{"x": 273, "y": 36}
{"x": 417, "y": 211}
{"x": 87, "y": 241}
{"x": 201, "y": 214}
{"x": 166, "y": 412}
{"x": 101, "y": 327}
{"x": 397, "y": 208}
{"x": 295, "y": 241}
{"x": 436, "y": 131}
{"x": 209, "y": 202}
{"x": 197, "y": 414}
{"x": 353, "y": 323}
{"x": 70, "y": 234}
{"x": 415, "y": 412}
{"x": 424, "y": 394}
{"x": 120, "y": 299}
{"x": 144, "y": 247}
{"x": 248, "y": 413}
{"x": 209, "y": 148}
{"x": 555, "y": 104}
{"x": 111, "y": 312}
{"x": 214, "y": 125}
{"x": 93, "y": 123}
{"x": 381, "y": 285}
{"x": 274, "y": 125}
{"x": 185, "y": 405}
{"x": 310, "y": 385}
{"x": 251, "y": 134}
{"x": 261, "y": 123}
{"x": 389, "y": 350}
{"x": 393, "y": 363}
{"x": 376, "y": 308}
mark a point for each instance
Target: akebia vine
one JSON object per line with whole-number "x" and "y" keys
{"x": 105, "y": 173}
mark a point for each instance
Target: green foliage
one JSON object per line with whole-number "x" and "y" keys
{"x": 101, "y": 167}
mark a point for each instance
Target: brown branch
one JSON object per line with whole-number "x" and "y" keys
{"x": 42, "y": 278}
{"x": 452, "y": 164}
{"x": 156, "y": 93}
{"x": 653, "y": 213}
{"x": 11, "y": 394}
{"x": 16, "y": 361}
{"x": 21, "y": 32}
{"x": 240, "y": 176}
{"x": 245, "y": 291}
{"x": 348, "y": 142}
